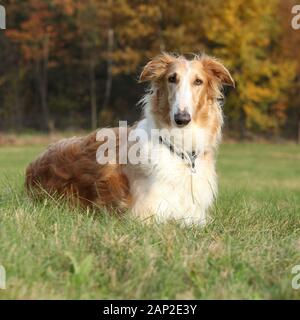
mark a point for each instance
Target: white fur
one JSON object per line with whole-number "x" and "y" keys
{"x": 183, "y": 96}
{"x": 165, "y": 188}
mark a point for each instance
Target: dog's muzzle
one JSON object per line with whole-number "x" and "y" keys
{"x": 182, "y": 118}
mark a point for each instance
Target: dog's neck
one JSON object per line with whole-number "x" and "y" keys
{"x": 189, "y": 140}
{"x": 188, "y": 157}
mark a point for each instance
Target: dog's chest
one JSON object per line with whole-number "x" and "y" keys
{"x": 166, "y": 187}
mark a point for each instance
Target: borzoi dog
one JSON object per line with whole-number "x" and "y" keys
{"x": 161, "y": 167}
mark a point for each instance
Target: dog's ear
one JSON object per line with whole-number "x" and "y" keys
{"x": 156, "y": 68}
{"x": 218, "y": 71}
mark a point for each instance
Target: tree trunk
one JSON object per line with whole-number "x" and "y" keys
{"x": 18, "y": 105}
{"x": 242, "y": 124}
{"x": 162, "y": 44}
{"x": 42, "y": 79}
{"x": 93, "y": 95}
{"x": 109, "y": 78}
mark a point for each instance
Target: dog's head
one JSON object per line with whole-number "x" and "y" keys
{"x": 184, "y": 90}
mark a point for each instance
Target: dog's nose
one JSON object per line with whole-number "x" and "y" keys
{"x": 182, "y": 118}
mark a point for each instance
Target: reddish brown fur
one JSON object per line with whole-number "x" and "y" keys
{"x": 156, "y": 68}
{"x": 70, "y": 169}
{"x": 215, "y": 76}
{"x": 155, "y": 71}
{"x": 160, "y": 107}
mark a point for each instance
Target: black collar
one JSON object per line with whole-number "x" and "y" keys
{"x": 189, "y": 157}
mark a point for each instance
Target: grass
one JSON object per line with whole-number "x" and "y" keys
{"x": 247, "y": 252}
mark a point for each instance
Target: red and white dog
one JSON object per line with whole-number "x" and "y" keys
{"x": 183, "y": 119}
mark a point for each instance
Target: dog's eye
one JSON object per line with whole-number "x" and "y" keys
{"x": 198, "y": 82}
{"x": 172, "y": 78}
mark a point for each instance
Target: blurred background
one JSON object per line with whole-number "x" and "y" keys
{"x": 73, "y": 65}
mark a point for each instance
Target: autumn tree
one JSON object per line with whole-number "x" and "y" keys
{"x": 36, "y": 36}
{"x": 85, "y": 57}
{"x": 244, "y": 35}
{"x": 288, "y": 49}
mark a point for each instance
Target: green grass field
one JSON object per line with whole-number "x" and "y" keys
{"x": 247, "y": 251}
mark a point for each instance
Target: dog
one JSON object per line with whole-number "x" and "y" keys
{"x": 175, "y": 177}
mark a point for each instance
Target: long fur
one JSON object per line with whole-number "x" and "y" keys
{"x": 69, "y": 168}
{"x": 164, "y": 189}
